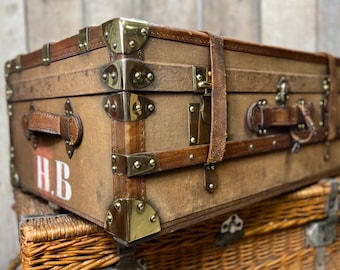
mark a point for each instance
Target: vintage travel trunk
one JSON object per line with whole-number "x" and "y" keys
{"x": 145, "y": 129}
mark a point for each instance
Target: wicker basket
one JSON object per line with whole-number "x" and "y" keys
{"x": 274, "y": 238}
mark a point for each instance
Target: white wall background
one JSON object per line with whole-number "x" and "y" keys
{"x": 312, "y": 25}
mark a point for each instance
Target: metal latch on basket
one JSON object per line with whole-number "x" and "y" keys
{"x": 231, "y": 229}
{"x": 321, "y": 233}
{"x": 128, "y": 259}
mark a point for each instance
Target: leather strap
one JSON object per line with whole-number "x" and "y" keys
{"x": 264, "y": 117}
{"x": 67, "y": 127}
{"x": 218, "y": 131}
{"x": 332, "y": 98}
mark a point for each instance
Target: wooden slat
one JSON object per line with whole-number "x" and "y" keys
{"x": 175, "y": 13}
{"x": 289, "y": 23}
{"x": 237, "y": 19}
{"x": 97, "y": 12}
{"x": 49, "y": 21}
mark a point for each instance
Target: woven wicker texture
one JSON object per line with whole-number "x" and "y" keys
{"x": 274, "y": 238}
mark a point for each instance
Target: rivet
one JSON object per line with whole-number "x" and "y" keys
{"x": 114, "y": 157}
{"x": 199, "y": 77}
{"x": 251, "y": 147}
{"x": 143, "y": 31}
{"x": 85, "y": 44}
{"x": 321, "y": 103}
{"x": 69, "y": 152}
{"x": 140, "y": 206}
{"x": 325, "y": 86}
{"x": 153, "y": 218}
{"x": 106, "y": 35}
{"x": 67, "y": 142}
{"x": 152, "y": 162}
{"x": 109, "y": 217}
{"x": 274, "y": 143}
{"x": 117, "y": 205}
{"x": 114, "y": 46}
{"x": 107, "y": 105}
{"x": 191, "y": 157}
{"x": 211, "y": 186}
{"x": 192, "y": 109}
{"x": 138, "y": 109}
{"x": 321, "y": 123}
{"x": 8, "y": 65}
{"x": 151, "y": 107}
{"x": 104, "y": 76}
{"x": 114, "y": 168}
{"x": 114, "y": 106}
{"x": 193, "y": 140}
{"x": 114, "y": 75}
{"x": 137, "y": 164}
{"x": 150, "y": 76}
{"x": 264, "y": 102}
{"x": 138, "y": 75}
{"x": 132, "y": 43}
{"x": 80, "y": 46}
{"x": 209, "y": 73}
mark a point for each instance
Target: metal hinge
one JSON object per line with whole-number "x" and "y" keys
{"x": 231, "y": 229}
{"x": 125, "y": 36}
{"x": 130, "y": 220}
{"x": 45, "y": 54}
{"x": 134, "y": 164}
{"x": 321, "y": 233}
{"x": 83, "y": 40}
{"x": 127, "y": 74}
{"x": 128, "y": 260}
{"x": 18, "y": 63}
{"x": 15, "y": 180}
{"x": 127, "y": 107}
{"x": 8, "y": 66}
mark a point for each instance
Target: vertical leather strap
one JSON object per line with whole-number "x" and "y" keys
{"x": 332, "y": 98}
{"x": 218, "y": 132}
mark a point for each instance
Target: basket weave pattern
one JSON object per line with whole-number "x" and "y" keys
{"x": 274, "y": 238}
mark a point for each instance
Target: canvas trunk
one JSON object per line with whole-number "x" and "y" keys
{"x": 145, "y": 129}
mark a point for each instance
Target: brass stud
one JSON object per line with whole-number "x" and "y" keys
{"x": 151, "y": 107}
{"x": 106, "y": 34}
{"x": 140, "y": 206}
{"x": 118, "y": 205}
{"x": 138, "y": 75}
{"x": 274, "y": 143}
{"x": 114, "y": 75}
{"x": 191, "y": 157}
{"x": 192, "y": 109}
{"x": 150, "y": 76}
{"x": 104, "y": 76}
{"x": 199, "y": 77}
{"x": 114, "y": 157}
{"x": 114, "y": 169}
{"x": 114, "y": 46}
{"x": 143, "y": 31}
{"x": 109, "y": 217}
{"x": 132, "y": 43}
{"x": 251, "y": 147}
{"x": 153, "y": 218}
{"x": 152, "y": 162}
{"x": 137, "y": 164}
{"x": 193, "y": 140}
{"x": 211, "y": 186}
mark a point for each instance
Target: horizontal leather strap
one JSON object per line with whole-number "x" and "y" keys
{"x": 264, "y": 117}
{"x": 67, "y": 127}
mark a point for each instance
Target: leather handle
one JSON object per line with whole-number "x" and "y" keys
{"x": 260, "y": 116}
{"x": 68, "y": 127}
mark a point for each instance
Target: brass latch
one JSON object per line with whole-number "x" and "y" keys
{"x": 200, "y": 113}
{"x": 125, "y": 36}
{"x": 134, "y": 164}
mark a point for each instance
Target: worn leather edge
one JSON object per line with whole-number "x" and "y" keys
{"x": 69, "y": 47}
